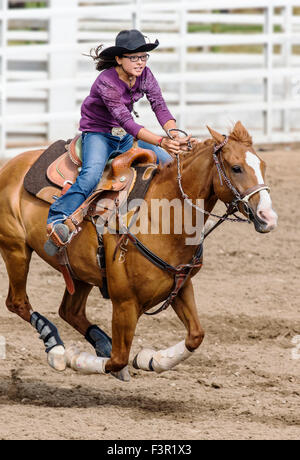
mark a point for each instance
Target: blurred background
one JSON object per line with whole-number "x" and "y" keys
{"x": 217, "y": 63}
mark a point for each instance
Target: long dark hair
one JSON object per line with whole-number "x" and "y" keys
{"x": 103, "y": 62}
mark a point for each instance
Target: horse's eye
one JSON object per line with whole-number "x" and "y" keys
{"x": 237, "y": 169}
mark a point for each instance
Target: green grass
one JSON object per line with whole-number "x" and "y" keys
{"x": 236, "y": 29}
{"x": 229, "y": 28}
{"x": 35, "y": 4}
{"x": 225, "y": 28}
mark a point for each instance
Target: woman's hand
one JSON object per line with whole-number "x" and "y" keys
{"x": 177, "y": 144}
{"x": 172, "y": 146}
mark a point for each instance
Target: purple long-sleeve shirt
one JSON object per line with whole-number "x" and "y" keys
{"x": 109, "y": 104}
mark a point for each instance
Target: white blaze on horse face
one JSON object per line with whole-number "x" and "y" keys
{"x": 264, "y": 208}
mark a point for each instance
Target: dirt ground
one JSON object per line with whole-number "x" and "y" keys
{"x": 242, "y": 383}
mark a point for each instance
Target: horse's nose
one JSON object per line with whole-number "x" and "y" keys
{"x": 269, "y": 217}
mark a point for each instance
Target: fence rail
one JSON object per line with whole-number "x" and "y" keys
{"x": 214, "y": 66}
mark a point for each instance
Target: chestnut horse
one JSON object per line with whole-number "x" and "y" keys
{"x": 135, "y": 285}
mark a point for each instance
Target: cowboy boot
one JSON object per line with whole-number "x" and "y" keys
{"x": 58, "y": 236}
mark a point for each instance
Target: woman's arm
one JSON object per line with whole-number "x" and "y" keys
{"x": 172, "y": 146}
{"x": 171, "y": 124}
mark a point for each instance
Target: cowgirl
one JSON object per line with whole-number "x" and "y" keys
{"x": 108, "y": 127}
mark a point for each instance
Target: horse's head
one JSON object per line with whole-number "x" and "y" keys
{"x": 246, "y": 173}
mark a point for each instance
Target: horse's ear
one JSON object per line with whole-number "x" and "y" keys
{"x": 241, "y": 134}
{"x": 219, "y": 138}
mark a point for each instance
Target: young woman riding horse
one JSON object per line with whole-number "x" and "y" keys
{"x": 218, "y": 169}
{"x": 107, "y": 126}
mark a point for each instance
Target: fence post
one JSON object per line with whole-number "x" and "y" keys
{"x": 287, "y": 62}
{"x": 268, "y": 80}
{"x": 3, "y": 75}
{"x": 62, "y": 64}
{"x": 183, "y": 50}
{"x": 136, "y": 15}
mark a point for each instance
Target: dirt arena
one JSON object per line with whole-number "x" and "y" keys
{"x": 242, "y": 383}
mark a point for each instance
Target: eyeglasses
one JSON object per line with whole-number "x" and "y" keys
{"x": 143, "y": 58}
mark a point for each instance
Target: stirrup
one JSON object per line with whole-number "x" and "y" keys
{"x": 58, "y": 237}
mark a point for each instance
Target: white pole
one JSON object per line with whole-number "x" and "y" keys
{"x": 3, "y": 75}
{"x": 183, "y": 63}
{"x": 268, "y": 81}
{"x": 62, "y": 29}
{"x": 287, "y": 62}
{"x": 136, "y": 15}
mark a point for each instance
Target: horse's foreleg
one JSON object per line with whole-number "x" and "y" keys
{"x": 185, "y": 307}
{"x": 124, "y": 321}
{"x": 125, "y": 316}
{"x": 17, "y": 258}
{"x": 73, "y": 311}
{"x": 162, "y": 360}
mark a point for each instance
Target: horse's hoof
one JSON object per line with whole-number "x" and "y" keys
{"x": 57, "y": 358}
{"x": 143, "y": 359}
{"x": 122, "y": 374}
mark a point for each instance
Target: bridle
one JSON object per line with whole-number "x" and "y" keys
{"x": 233, "y": 206}
{"x": 239, "y": 197}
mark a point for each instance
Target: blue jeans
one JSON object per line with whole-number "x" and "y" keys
{"x": 97, "y": 149}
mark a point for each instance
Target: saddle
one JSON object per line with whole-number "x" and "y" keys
{"x": 126, "y": 177}
{"x": 58, "y": 167}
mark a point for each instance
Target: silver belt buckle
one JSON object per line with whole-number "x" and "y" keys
{"x": 119, "y": 132}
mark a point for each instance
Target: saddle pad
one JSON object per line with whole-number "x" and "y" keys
{"x": 38, "y": 182}
{"x": 36, "y": 178}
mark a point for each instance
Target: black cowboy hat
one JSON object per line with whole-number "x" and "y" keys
{"x": 129, "y": 41}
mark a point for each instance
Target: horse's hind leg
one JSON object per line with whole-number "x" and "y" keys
{"x": 17, "y": 257}
{"x": 17, "y": 261}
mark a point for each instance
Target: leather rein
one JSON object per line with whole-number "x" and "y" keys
{"x": 183, "y": 271}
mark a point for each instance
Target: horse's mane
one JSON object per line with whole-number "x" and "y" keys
{"x": 238, "y": 134}
{"x": 169, "y": 170}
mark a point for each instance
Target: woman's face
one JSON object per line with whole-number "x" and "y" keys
{"x": 132, "y": 64}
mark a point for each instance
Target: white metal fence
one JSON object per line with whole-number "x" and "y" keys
{"x": 207, "y": 76}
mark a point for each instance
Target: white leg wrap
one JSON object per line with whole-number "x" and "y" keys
{"x": 161, "y": 360}
{"x": 85, "y": 362}
{"x": 71, "y": 351}
{"x": 90, "y": 364}
{"x": 57, "y": 359}
{"x": 143, "y": 359}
